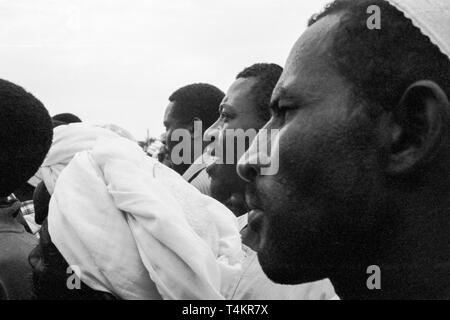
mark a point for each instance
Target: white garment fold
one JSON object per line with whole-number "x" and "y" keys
{"x": 137, "y": 229}
{"x": 68, "y": 140}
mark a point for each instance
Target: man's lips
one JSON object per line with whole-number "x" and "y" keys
{"x": 255, "y": 217}
{"x": 210, "y": 159}
{"x": 255, "y": 222}
{"x": 253, "y": 234}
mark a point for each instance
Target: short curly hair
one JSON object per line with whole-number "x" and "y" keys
{"x": 198, "y": 100}
{"x": 382, "y": 63}
{"x": 268, "y": 75}
{"x": 25, "y": 136}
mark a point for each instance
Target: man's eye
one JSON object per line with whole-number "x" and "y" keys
{"x": 225, "y": 115}
{"x": 277, "y": 110}
{"x": 282, "y": 112}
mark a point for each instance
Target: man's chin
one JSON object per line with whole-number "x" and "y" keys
{"x": 289, "y": 273}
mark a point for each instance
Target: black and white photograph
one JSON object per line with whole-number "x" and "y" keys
{"x": 225, "y": 154}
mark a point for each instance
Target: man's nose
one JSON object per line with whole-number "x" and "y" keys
{"x": 210, "y": 134}
{"x": 262, "y": 158}
{"x": 247, "y": 171}
{"x": 251, "y": 163}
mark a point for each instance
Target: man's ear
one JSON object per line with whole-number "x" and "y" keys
{"x": 416, "y": 127}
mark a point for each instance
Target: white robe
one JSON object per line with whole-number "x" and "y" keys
{"x": 138, "y": 230}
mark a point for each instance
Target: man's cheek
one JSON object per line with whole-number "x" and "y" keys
{"x": 297, "y": 160}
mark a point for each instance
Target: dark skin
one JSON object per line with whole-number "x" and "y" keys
{"x": 238, "y": 110}
{"x": 171, "y": 123}
{"x": 353, "y": 190}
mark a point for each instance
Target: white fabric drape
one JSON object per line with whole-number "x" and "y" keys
{"x": 68, "y": 140}
{"x": 136, "y": 229}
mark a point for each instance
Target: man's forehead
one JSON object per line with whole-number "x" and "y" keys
{"x": 310, "y": 62}
{"x": 239, "y": 90}
{"x": 316, "y": 40}
{"x": 168, "y": 111}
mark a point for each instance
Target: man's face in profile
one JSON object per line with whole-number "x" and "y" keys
{"x": 238, "y": 110}
{"x": 173, "y": 123}
{"x": 323, "y": 200}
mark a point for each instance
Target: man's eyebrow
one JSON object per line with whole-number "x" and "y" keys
{"x": 283, "y": 94}
{"x": 287, "y": 96}
{"x": 223, "y": 105}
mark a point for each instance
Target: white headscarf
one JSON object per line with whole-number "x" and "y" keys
{"x": 138, "y": 230}
{"x": 432, "y": 17}
{"x": 119, "y": 130}
{"x": 68, "y": 140}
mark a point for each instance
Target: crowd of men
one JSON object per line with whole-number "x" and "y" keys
{"x": 358, "y": 207}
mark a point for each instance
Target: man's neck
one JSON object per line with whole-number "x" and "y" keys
{"x": 410, "y": 259}
{"x": 395, "y": 282}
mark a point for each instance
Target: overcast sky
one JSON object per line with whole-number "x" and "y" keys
{"x": 117, "y": 61}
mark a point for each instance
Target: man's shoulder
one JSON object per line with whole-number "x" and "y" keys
{"x": 15, "y": 269}
{"x": 15, "y": 247}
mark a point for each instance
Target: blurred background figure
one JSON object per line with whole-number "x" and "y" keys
{"x": 25, "y": 138}
{"x": 66, "y": 118}
{"x": 190, "y": 104}
{"x": 26, "y": 191}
